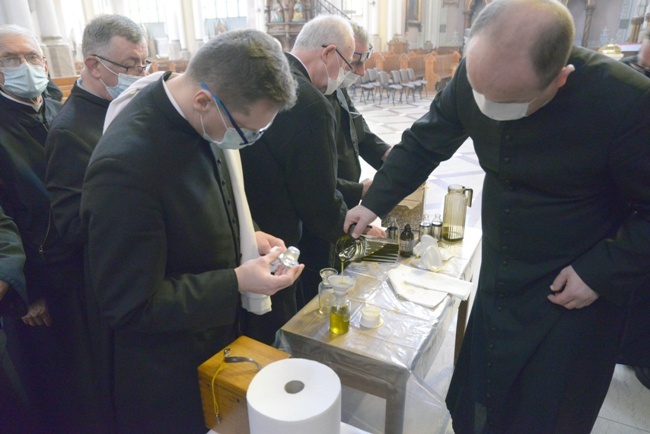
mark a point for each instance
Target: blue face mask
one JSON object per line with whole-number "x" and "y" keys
{"x": 234, "y": 138}
{"x": 231, "y": 140}
{"x": 25, "y": 81}
{"x": 123, "y": 82}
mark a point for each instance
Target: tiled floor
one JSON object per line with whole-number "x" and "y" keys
{"x": 627, "y": 407}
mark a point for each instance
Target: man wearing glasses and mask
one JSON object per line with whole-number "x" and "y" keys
{"x": 171, "y": 245}
{"x": 46, "y": 344}
{"x": 353, "y": 140}
{"x": 295, "y": 163}
{"x": 114, "y": 50}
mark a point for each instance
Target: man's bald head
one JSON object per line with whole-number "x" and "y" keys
{"x": 538, "y": 33}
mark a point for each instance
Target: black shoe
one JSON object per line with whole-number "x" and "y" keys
{"x": 643, "y": 374}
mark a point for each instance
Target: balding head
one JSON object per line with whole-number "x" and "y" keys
{"x": 518, "y": 49}
{"x": 537, "y": 32}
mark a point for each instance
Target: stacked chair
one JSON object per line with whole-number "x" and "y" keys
{"x": 390, "y": 87}
{"x": 419, "y": 83}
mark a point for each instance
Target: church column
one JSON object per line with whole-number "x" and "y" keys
{"x": 175, "y": 31}
{"x": 17, "y": 12}
{"x": 585, "y": 34}
{"x": 372, "y": 15}
{"x": 56, "y": 50}
{"x": 119, "y": 7}
{"x": 199, "y": 24}
{"x": 395, "y": 19}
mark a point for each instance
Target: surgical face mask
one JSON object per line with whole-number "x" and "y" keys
{"x": 332, "y": 85}
{"x": 500, "y": 111}
{"x": 235, "y": 137}
{"x": 123, "y": 82}
{"x": 25, "y": 81}
{"x": 349, "y": 79}
{"x": 232, "y": 139}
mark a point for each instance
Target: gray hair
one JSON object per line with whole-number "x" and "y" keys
{"x": 360, "y": 34}
{"x": 550, "y": 50}
{"x": 99, "y": 31}
{"x": 7, "y": 30}
{"x": 322, "y": 30}
{"x": 242, "y": 67}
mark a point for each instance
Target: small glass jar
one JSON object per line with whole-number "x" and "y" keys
{"x": 340, "y": 307}
{"x": 325, "y": 292}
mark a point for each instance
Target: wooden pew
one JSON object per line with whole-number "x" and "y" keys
{"x": 439, "y": 69}
{"x": 65, "y": 84}
{"x": 435, "y": 68}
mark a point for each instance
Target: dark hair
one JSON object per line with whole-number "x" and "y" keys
{"x": 242, "y": 67}
{"x": 551, "y": 49}
{"x": 100, "y": 30}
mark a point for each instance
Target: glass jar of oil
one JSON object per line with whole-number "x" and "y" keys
{"x": 340, "y": 308}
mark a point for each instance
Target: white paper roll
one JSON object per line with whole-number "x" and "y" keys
{"x": 295, "y": 396}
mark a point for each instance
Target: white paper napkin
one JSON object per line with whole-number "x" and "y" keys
{"x": 425, "y": 287}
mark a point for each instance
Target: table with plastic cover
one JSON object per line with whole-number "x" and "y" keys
{"x": 382, "y": 361}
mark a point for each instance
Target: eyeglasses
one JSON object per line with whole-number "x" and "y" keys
{"x": 341, "y": 56}
{"x": 248, "y": 136}
{"x": 642, "y": 69}
{"x": 15, "y": 61}
{"x": 362, "y": 56}
{"x": 135, "y": 70}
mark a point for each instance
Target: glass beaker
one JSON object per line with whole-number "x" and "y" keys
{"x": 453, "y": 219}
{"x": 325, "y": 292}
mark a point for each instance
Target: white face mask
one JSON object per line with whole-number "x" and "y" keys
{"x": 123, "y": 82}
{"x": 500, "y": 111}
{"x": 332, "y": 85}
{"x": 231, "y": 140}
{"x": 25, "y": 81}
{"x": 350, "y": 79}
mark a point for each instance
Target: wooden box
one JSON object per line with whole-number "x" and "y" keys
{"x": 231, "y": 383}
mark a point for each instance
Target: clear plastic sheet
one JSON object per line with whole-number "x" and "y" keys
{"x": 383, "y": 369}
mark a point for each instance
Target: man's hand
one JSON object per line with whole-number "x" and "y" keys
{"x": 360, "y": 215}
{"x": 37, "y": 314}
{"x": 570, "y": 291}
{"x": 266, "y": 242}
{"x": 255, "y": 275}
{"x": 376, "y": 231}
{"x": 366, "y": 185}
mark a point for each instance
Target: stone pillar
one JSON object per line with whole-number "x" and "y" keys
{"x": 637, "y": 22}
{"x": 119, "y": 7}
{"x": 585, "y": 34}
{"x": 17, "y": 12}
{"x": 199, "y": 24}
{"x": 174, "y": 31}
{"x": 56, "y": 50}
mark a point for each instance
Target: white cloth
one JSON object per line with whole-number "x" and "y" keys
{"x": 425, "y": 287}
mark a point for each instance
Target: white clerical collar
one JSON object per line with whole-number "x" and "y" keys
{"x": 36, "y": 107}
{"x": 173, "y": 101}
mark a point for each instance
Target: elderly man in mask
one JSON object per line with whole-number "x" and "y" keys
{"x": 48, "y": 345}
{"x": 353, "y": 140}
{"x": 297, "y": 164}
